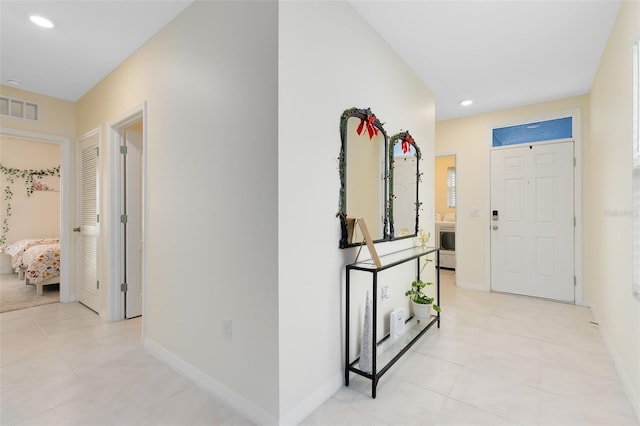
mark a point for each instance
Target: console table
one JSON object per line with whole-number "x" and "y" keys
{"x": 385, "y": 352}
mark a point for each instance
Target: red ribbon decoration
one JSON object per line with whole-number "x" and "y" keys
{"x": 369, "y": 122}
{"x": 406, "y": 144}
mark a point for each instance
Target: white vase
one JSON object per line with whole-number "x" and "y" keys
{"x": 366, "y": 342}
{"x": 421, "y": 311}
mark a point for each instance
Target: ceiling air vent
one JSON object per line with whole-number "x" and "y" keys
{"x": 18, "y": 108}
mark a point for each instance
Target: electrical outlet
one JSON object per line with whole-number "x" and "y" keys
{"x": 227, "y": 329}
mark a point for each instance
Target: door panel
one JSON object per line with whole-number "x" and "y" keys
{"x": 89, "y": 227}
{"x": 133, "y": 240}
{"x": 532, "y": 242}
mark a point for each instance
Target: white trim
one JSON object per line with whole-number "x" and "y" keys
{"x": 313, "y": 402}
{"x": 115, "y": 306}
{"x": 78, "y": 257}
{"x": 575, "y": 114}
{"x": 634, "y": 399}
{"x": 67, "y": 291}
{"x": 218, "y": 390}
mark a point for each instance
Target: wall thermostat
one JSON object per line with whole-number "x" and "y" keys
{"x": 397, "y": 320}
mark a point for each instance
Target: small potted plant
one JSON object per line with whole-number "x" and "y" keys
{"x": 420, "y": 301}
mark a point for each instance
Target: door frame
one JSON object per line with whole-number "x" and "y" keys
{"x": 68, "y": 292}
{"x": 575, "y": 114}
{"x": 78, "y": 257}
{"x": 115, "y": 264}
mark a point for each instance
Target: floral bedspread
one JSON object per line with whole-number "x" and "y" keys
{"x": 16, "y": 250}
{"x": 42, "y": 261}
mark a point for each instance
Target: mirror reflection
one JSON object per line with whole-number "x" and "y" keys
{"x": 363, "y": 191}
{"x": 404, "y": 176}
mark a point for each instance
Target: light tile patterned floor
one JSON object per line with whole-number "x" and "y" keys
{"x": 497, "y": 360}
{"x": 61, "y": 365}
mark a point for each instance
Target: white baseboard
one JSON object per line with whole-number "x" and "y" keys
{"x": 633, "y": 398}
{"x": 238, "y": 402}
{"x": 315, "y": 400}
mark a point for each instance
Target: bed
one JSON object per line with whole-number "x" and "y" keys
{"x": 16, "y": 251}
{"x": 41, "y": 265}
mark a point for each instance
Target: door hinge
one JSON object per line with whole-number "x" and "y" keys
{"x": 123, "y": 287}
{"x": 97, "y": 218}
{"x": 97, "y": 152}
{"x": 575, "y": 281}
{"x": 98, "y": 285}
{"x": 123, "y": 149}
{"x": 123, "y": 218}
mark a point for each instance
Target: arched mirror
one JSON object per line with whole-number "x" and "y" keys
{"x": 404, "y": 177}
{"x": 363, "y": 183}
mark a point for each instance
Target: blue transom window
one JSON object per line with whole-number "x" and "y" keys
{"x": 560, "y": 128}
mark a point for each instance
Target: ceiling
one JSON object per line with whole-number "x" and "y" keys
{"x": 89, "y": 40}
{"x": 500, "y": 54}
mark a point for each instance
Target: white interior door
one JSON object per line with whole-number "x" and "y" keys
{"x": 133, "y": 226}
{"x": 89, "y": 224}
{"x": 532, "y": 235}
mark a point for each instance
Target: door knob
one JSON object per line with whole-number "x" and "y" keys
{"x": 495, "y": 227}
{"x": 76, "y": 229}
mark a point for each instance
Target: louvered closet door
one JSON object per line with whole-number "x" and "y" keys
{"x": 89, "y": 229}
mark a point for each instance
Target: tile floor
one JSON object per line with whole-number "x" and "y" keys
{"x": 497, "y": 360}
{"x": 60, "y": 364}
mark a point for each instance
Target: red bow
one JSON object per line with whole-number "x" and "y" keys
{"x": 406, "y": 144}
{"x": 369, "y": 122}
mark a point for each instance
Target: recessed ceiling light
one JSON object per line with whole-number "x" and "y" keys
{"x": 466, "y": 102}
{"x": 41, "y": 21}
{"x": 14, "y": 82}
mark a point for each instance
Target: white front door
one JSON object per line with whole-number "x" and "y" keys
{"x": 532, "y": 220}
{"x": 133, "y": 226}
{"x": 89, "y": 225}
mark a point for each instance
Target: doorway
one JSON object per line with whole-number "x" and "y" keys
{"x": 67, "y": 291}
{"x": 445, "y": 207}
{"x": 126, "y": 275}
{"x": 532, "y": 220}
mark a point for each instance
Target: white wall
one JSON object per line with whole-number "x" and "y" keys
{"x": 210, "y": 82}
{"x": 330, "y": 60}
{"x": 608, "y": 201}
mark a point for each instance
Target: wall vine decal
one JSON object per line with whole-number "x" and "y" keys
{"x": 10, "y": 175}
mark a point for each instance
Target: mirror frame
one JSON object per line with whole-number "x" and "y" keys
{"x": 371, "y": 122}
{"x": 404, "y": 138}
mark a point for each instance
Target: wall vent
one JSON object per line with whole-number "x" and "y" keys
{"x": 18, "y": 108}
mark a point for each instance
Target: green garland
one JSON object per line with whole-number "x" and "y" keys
{"x": 399, "y": 137}
{"x": 10, "y": 174}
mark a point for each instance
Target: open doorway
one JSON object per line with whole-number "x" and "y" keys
{"x": 445, "y": 207}
{"x": 53, "y": 192}
{"x": 126, "y": 275}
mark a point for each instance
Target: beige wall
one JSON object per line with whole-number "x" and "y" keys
{"x": 441, "y": 191}
{"x": 607, "y": 200}
{"x": 469, "y": 138}
{"x": 331, "y": 60}
{"x": 34, "y": 216}
{"x": 57, "y": 116}
{"x": 210, "y": 83}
